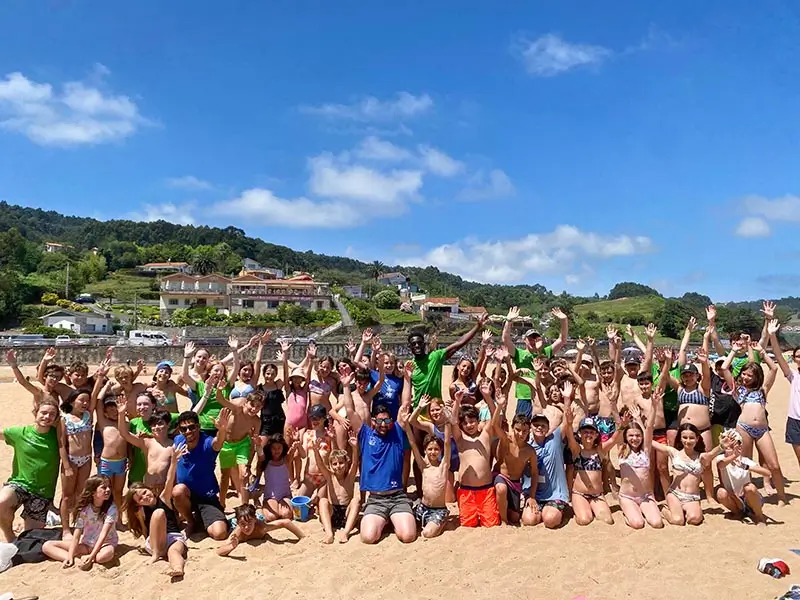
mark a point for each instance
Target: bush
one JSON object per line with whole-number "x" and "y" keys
{"x": 63, "y": 303}
{"x": 364, "y": 313}
{"x": 387, "y": 299}
{"x": 49, "y": 332}
{"x": 49, "y": 298}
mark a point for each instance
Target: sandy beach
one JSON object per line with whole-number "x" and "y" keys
{"x": 715, "y": 560}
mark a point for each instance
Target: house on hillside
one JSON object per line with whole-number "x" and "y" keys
{"x": 445, "y": 306}
{"x": 354, "y": 291}
{"x": 393, "y": 279}
{"x": 166, "y": 267}
{"x": 181, "y": 290}
{"x": 78, "y": 322}
{"x": 55, "y": 247}
{"x": 249, "y": 293}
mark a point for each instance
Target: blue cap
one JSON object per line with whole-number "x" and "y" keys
{"x": 165, "y": 364}
{"x": 588, "y": 422}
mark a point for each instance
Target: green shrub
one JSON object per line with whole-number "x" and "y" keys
{"x": 387, "y": 299}
{"x": 49, "y": 298}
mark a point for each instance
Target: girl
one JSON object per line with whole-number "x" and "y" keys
{"x": 465, "y": 380}
{"x": 208, "y": 411}
{"x": 736, "y": 492}
{"x": 636, "y": 498}
{"x": 588, "y": 501}
{"x": 296, "y": 387}
{"x": 164, "y": 389}
{"x": 436, "y": 427}
{"x": 750, "y": 390}
{"x": 76, "y": 414}
{"x": 683, "y": 498}
{"x": 314, "y": 480}
{"x": 95, "y": 536}
{"x": 277, "y": 486}
{"x": 793, "y": 418}
{"x": 154, "y": 518}
{"x": 249, "y": 372}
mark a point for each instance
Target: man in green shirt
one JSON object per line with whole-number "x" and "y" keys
{"x": 34, "y": 470}
{"x": 534, "y": 348}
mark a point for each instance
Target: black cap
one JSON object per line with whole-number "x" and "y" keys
{"x": 317, "y": 412}
{"x": 689, "y": 368}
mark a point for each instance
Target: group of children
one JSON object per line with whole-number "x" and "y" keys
{"x": 281, "y": 430}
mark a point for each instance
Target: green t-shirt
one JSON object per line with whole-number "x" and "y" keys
{"x": 211, "y": 410}
{"x": 670, "y": 395}
{"x": 36, "y": 461}
{"x": 739, "y": 363}
{"x": 523, "y": 362}
{"x": 427, "y": 375}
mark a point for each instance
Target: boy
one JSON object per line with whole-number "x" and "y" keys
{"x": 155, "y": 451}
{"x": 138, "y": 425}
{"x": 249, "y": 527}
{"x": 514, "y": 455}
{"x": 127, "y": 385}
{"x": 431, "y": 510}
{"x": 477, "y": 502}
{"x": 338, "y": 505}
{"x": 53, "y": 375}
{"x": 114, "y": 456}
{"x": 658, "y": 460}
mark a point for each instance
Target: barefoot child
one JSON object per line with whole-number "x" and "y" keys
{"x": 277, "y": 486}
{"x": 737, "y": 493}
{"x": 431, "y": 510}
{"x": 338, "y": 504}
{"x": 477, "y": 502}
{"x": 250, "y": 527}
{"x": 435, "y": 426}
{"x": 152, "y": 515}
{"x": 95, "y": 536}
{"x": 157, "y": 450}
{"x": 514, "y": 456}
{"x": 314, "y": 481}
{"x": 114, "y": 456}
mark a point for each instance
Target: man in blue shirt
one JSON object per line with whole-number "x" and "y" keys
{"x": 196, "y": 492}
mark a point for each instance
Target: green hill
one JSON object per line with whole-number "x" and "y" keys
{"x": 622, "y": 310}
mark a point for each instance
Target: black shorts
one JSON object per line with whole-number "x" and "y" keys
{"x": 792, "y": 431}
{"x": 270, "y": 425}
{"x": 384, "y": 506}
{"x": 339, "y": 516}
{"x": 33, "y": 506}
{"x": 207, "y": 510}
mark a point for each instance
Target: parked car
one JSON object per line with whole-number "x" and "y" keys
{"x": 85, "y": 299}
{"x": 63, "y": 340}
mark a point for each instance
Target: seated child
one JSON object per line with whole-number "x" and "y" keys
{"x": 250, "y": 527}
{"x": 338, "y": 504}
{"x": 514, "y": 456}
{"x": 736, "y": 492}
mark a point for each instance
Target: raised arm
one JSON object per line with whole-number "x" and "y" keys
{"x": 263, "y": 339}
{"x": 315, "y": 446}
{"x": 566, "y": 430}
{"x": 705, "y": 371}
{"x": 11, "y": 359}
{"x": 47, "y": 358}
{"x": 636, "y": 340}
{"x": 650, "y": 332}
{"x": 480, "y": 323}
{"x": 480, "y": 363}
{"x": 285, "y": 346}
{"x": 222, "y": 428}
{"x": 772, "y": 368}
{"x": 403, "y": 418}
{"x": 177, "y": 453}
{"x": 124, "y": 426}
{"x": 188, "y": 351}
{"x": 687, "y": 336}
{"x": 366, "y": 338}
{"x": 233, "y": 344}
{"x": 773, "y": 328}
{"x": 768, "y": 310}
{"x": 513, "y": 313}
{"x": 726, "y": 366}
{"x": 563, "y": 334}
{"x": 355, "y": 419}
{"x": 311, "y": 358}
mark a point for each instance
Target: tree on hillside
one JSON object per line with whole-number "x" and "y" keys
{"x": 739, "y": 319}
{"x": 376, "y": 269}
{"x": 672, "y": 318}
{"x": 629, "y": 289}
{"x": 205, "y": 260}
{"x": 387, "y": 299}
{"x": 696, "y": 300}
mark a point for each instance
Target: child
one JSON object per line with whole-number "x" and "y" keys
{"x": 338, "y": 504}
{"x": 164, "y": 389}
{"x": 95, "y": 536}
{"x": 431, "y": 510}
{"x": 435, "y": 427}
{"x": 126, "y": 385}
{"x": 314, "y": 480}
{"x": 208, "y": 407}
{"x": 157, "y": 450}
{"x": 737, "y": 493}
{"x": 114, "y": 456}
{"x": 237, "y": 451}
{"x": 77, "y": 411}
{"x": 250, "y": 527}
{"x": 477, "y": 502}
{"x": 514, "y": 457}
{"x": 52, "y": 375}
{"x": 277, "y": 485}
{"x": 145, "y": 405}
{"x": 77, "y": 374}
{"x": 152, "y": 515}
{"x": 296, "y": 387}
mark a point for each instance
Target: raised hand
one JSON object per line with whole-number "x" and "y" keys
{"x": 425, "y": 400}
{"x": 485, "y": 387}
{"x": 346, "y": 376}
{"x": 377, "y": 344}
{"x": 486, "y": 337}
{"x": 580, "y": 345}
{"x": 50, "y": 353}
{"x": 408, "y": 369}
{"x": 658, "y": 355}
{"x": 635, "y": 412}
{"x": 285, "y": 344}
{"x": 482, "y": 319}
{"x": 669, "y": 356}
{"x": 501, "y": 400}
{"x": 737, "y": 345}
{"x": 353, "y": 441}
{"x": 567, "y": 390}
{"x": 179, "y": 451}
{"x": 558, "y": 313}
{"x": 366, "y": 335}
{"x": 768, "y": 309}
{"x": 745, "y": 338}
{"x": 538, "y": 364}
{"x": 265, "y": 337}
{"x": 773, "y": 326}
{"x": 11, "y": 358}
{"x": 350, "y": 345}
{"x": 711, "y": 313}
{"x": 650, "y": 331}
{"x": 591, "y": 341}
{"x": 223, "y": 418}
{"x": 233, "y": 342}
{"x": 702, "y": 355}
{"x": 611, "y": 332}
{"x": 311, "y": 350}
{"x": 513, "y": 313}
{"x": 253, "y": 341}
{"x": 189, "y": 349}
{"x": 692, "y": 324}
{"x": 756, "y": 347}
{"x": 403, "y": 415}
{"x": 500, "y": 353}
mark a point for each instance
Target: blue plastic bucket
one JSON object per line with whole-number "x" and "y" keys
{"x": 300, "y": 508}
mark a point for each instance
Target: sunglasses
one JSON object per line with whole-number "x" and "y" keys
{"x": 384, "y": 421}
{"x": 187, "y": 428}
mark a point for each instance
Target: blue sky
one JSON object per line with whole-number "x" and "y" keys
{"x": 575, "y": 146}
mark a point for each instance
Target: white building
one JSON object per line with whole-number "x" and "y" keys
{"x": 78, "y": 322}
{"x": 166, "y": 267}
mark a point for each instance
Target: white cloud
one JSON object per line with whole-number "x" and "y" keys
{"x": 262, "y": 206}
{"x": 550, "y": 55}
{"x": 403, "y": 106}
{"x": 786, "y": 208}
{"x": 439, "y": 163}
{"x": 373, "y": 148}
{"x": 172, "y": 213}
{"x": 332, "y": 178}
{"x": 572, "y": 279}
{"x": 78, "y": 114}
{"x": 487, "y": 186}
{"x": 188, "y": 182}
{"x": 753, "y": 227}
{"x": 558, "y": 252}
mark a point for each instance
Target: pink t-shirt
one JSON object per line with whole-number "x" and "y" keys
{"x": 794, "y": 395}
{"x": 92, "y": 525}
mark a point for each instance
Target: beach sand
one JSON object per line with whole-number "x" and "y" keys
{"x": 601, "y": 562}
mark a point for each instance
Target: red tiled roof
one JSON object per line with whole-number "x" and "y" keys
{"x": 440, "y": 301}
{"x": 478, "y": 310}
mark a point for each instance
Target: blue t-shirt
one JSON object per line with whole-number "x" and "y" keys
{"x": 381, "y": 459}
{"x": 390, "y": 392}
{"x": 552, "y": 484}
{"x": 196, "y": 468}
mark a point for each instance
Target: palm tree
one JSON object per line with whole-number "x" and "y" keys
{"x": 204, "y": 260}
{"x": 377, "y": 269}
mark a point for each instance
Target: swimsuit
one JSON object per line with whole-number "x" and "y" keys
{"x": 591, "y": 463}
{"x": 235, "y": 453}
{"x": 660, "y": 436}
{"x": 646, "y": 497}
{"x": 685, "y": 497}
{"x": 242, "y": 392}
{"x": 277, "y": 486}
{"x": 75, "y": 428}
{"x": 477, "y": 506}
{"x": 321, "y": 388}
{"x": 636, "y": 460}
{"x": 296, "y": 413}
{"x": 455, "y": 459}
{"x": 695, "y": 397}
{"x": 110, "y": 467}
{"x": 514, "y": 493}
{"x": 692, "y": 467}
{"x": 745, "y": 396}
{"x": 272, "y": 415}
{"x": 606, "y": 426}
{"x": 338, "y": 516}
{"x": 427, "y": 514}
